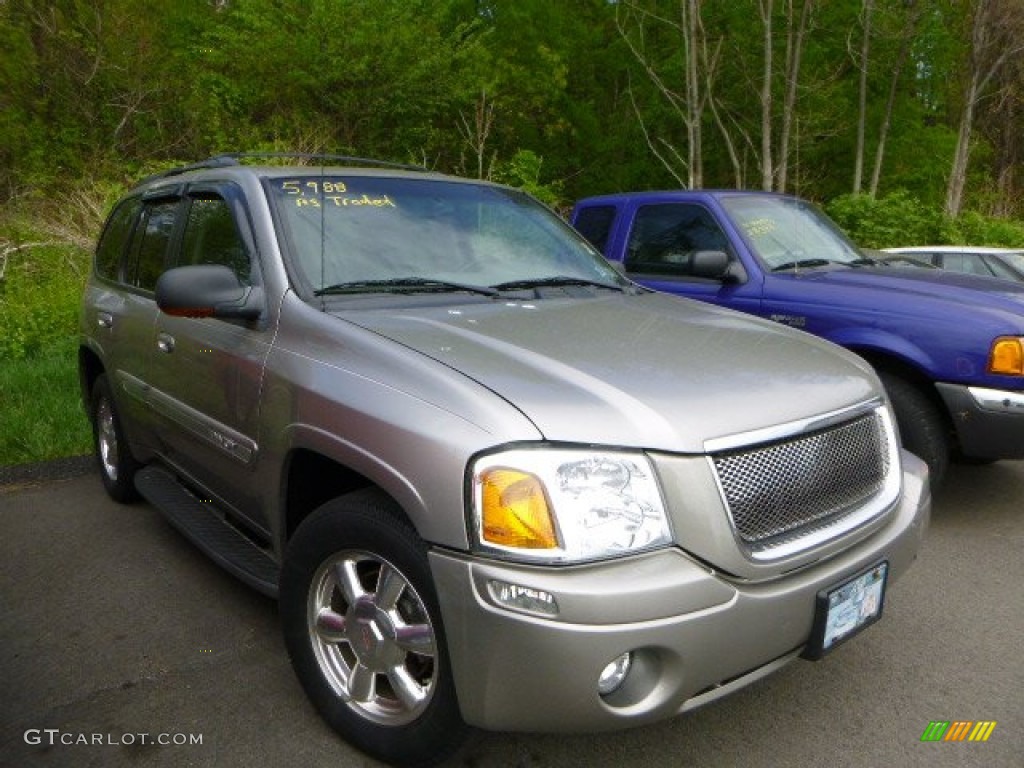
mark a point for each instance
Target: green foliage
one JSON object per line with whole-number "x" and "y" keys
{"x": 893, "y": 220}
{"x": 95, "y": 90}
{"x": 974, "y": 229}
{"x": 41, "y": 415}
{"x": 40, "y": 293}
{"x": 372, "y": 78}
{"x": 899, "y": 219}
{"x": 523, "y": 171}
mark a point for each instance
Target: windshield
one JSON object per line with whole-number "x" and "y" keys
{"x": 787, "y": 233}
{"x": 1015, "y": 259}
{"x": 360, "y": 234}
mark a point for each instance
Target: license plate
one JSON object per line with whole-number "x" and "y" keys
{"x": 845, "y": 610}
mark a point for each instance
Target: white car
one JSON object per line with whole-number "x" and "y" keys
{"x": 1005, "y": 263}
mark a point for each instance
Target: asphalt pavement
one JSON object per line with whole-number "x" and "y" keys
{"x": 122, "y": 645}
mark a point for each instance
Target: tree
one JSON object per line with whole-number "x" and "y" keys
{"x": 687, "y": 103}
{"x": 796, "y": 31}
{"x": 997, "y": 27}
{"x": 1003, "y": 124}
{"x": 909, "y": 27}
{"x": 766, "y": 9}
{"x": 862, "y": 100}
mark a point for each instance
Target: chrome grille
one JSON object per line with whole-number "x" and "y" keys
{"x": 781, "y": 491}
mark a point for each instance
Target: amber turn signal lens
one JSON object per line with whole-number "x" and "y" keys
{"x": 515, "y": 510}
{"x": 1007, "y": 356}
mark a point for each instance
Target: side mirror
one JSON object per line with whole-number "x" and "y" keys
{"x": 207, "y": 290}
{"x": 713, "y": 265}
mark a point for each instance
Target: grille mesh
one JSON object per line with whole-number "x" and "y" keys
{"x": 784, "y": 490}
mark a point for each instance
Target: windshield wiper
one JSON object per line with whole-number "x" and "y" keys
{"x": 804, "y": 263}
{"x": 403, "y": 284}
{"x": 555, "y": 281}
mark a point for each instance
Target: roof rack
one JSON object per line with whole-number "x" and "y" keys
{"x": 345, "y": 159}
{"x": 219, "y": 161}
{"x": 236, "y": 158}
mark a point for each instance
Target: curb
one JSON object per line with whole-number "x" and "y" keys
{"x": 47, "y": 471}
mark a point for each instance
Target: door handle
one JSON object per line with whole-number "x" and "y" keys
{"x": 104, "y": 320}
{"x": 165, "y": 343}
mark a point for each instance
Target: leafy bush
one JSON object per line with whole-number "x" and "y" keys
{"x": 974, "y": 229}
{"x": 40, "y": 290}
{"x": 893, "y": 220}
{"x": 899, "y": 219}
{"x": 523, "y": 171}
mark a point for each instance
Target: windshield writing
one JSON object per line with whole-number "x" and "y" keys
{"x": 371, "y": 231}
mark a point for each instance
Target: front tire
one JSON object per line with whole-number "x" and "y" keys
{"x": 923, "y": 429}
{"x": 116, "y": 464}
{"x": 362, "y": 625}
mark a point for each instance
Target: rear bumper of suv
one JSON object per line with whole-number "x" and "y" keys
{"x": 694, "y": 634}
{"x": 989, "y": 423}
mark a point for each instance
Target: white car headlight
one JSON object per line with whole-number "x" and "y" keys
{"x": 567, "y": 505}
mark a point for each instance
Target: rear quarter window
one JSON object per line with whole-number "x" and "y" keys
{"x": 115, "y": 238}
{"x": 595, "y": 224}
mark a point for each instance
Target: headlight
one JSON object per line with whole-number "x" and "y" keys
{"x": 562, "y": 505}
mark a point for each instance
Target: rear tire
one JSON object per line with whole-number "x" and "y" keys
{"x": 114, "y": 459}
{"x": 923, "y": 429}
{"x": 362, "y": 625}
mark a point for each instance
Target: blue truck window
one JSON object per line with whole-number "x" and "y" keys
{"x": 595, "y": 224}
{"x": 665, "y": 237}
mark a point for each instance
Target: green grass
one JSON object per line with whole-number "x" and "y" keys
{"x": 41, "y": 415}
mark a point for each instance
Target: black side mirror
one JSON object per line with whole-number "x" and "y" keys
{"x": 207, "y": 290}
{"x": 713, "y": 265}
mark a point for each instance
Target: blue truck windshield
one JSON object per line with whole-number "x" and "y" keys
{"x": 785, "y": 233}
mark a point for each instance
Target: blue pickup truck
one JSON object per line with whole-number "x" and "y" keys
{"x": 949, "y": 348}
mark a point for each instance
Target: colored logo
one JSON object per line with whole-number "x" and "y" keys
{"x": 958, "y": 730}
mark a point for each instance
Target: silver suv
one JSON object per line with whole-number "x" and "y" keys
{"x": 491, "y": 482}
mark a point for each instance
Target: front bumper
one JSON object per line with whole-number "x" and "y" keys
{"x": 989, "y": 423}
{"x": 695, "y": 633}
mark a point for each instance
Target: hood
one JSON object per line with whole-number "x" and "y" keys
{"x": 917, "y": 291}
{"x": 649, "y": 371}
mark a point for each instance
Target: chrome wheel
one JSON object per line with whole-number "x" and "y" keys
{"x": 372, "y": 638}
{"x": 106, "y": 438}
{"x": 363, "y": 627}
{"x": 114, "y": 457}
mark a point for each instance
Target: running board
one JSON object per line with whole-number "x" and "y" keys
{"x": 226, "y": 545}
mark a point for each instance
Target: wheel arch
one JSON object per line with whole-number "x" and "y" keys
{"x": 886, "y": 362}
{"x": 90, "y": 367}
{"x": 313, "y": 477}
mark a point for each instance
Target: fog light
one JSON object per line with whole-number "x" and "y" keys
{"x": 525, "y": 599}
{"x": 612, "y": 676}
